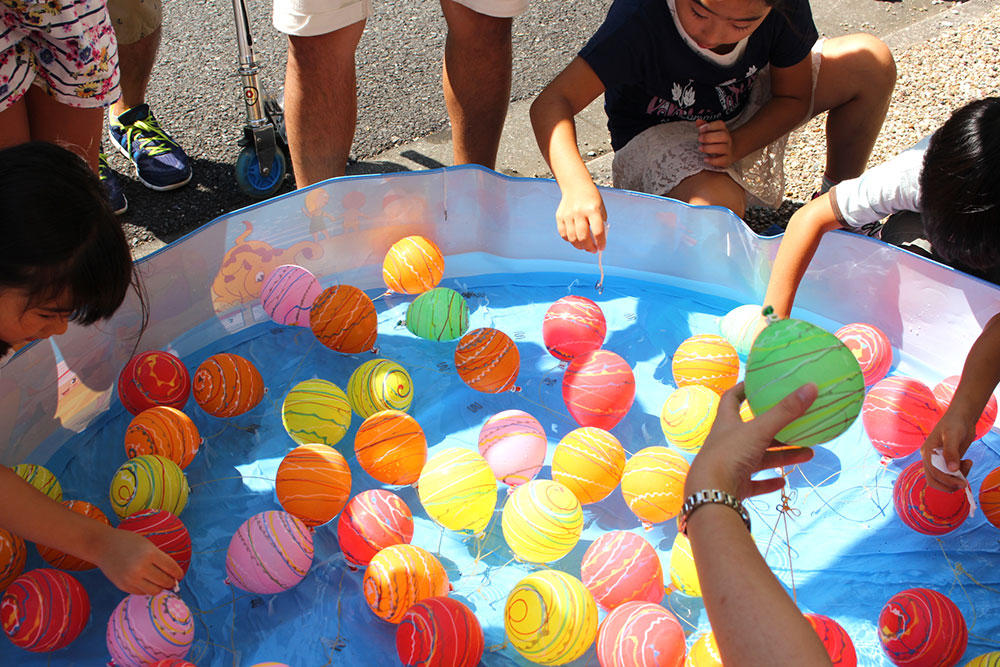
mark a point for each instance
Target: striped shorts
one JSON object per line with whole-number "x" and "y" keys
{"x": 67, "y": 47}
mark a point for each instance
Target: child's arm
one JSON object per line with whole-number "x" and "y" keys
{"x": 128, "y": 559}
{"x": 791, "y": 91}
{"x": 581, "y": 215}
{"x": 805, "y": 229}
{"x": 954, "y": 432}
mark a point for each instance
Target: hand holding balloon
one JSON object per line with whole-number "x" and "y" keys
{"x": 952, "y": 435}
{"x": 735, "y": 450}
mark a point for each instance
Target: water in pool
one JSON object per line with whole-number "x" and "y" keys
{"x": 841, "y": 545}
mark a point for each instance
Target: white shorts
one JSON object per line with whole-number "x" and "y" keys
{"x": 307, "y": 18}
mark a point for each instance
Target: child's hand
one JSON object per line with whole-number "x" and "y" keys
{"x": 952, "y": 435}
{"x": 134, "y": 564}
{"x": 581, "y": 218}
{"x": 735, "y": 450}
{"x": 715, "y": 142}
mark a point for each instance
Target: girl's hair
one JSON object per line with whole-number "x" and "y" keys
{"x": 59, "y": 234}
{"x": 960, "y": 186}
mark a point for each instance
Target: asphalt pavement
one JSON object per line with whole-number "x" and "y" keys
{"x": 402, "y": 121}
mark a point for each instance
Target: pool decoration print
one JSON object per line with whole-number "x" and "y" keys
{"x": 790, "y": 353}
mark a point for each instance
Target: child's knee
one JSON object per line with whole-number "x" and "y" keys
{"x": 876, "y": 61}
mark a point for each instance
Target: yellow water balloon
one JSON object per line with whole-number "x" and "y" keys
{"x": 550, "y": 618}
{"x": 458, "y": 490}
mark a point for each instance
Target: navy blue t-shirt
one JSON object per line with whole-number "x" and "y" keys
{"x": 652, "y": 76}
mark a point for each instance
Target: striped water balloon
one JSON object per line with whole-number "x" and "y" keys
{"x": 458, "y": 490}
{"x": 165, "y": 431}
{"x": 589, "y": 462}
{"x": 550, "y": 618}
{"x": 148, "y": 481}
{"x": 227, "y": 385}
{"x": 269, "y": 553}
{"x": 542, "y": 521}
{"x": 391, "y": 447}
{"x": 312, "y": 483}
{"x": 399, "y": 576}
{"x": 144, "y": 629}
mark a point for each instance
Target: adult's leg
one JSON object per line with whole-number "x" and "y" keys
{"x": 321, "y": 102}
{"x": 76, "y": 129}
{"x": 135, "y": 64}
{"x": 711, "y": 188}
{"x": 855, "y": 83}
{"x": 476, "y": 75}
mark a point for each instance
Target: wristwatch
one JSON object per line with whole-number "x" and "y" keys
{"x": 704, "y": 497}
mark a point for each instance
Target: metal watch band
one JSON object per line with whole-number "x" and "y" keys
{"x": 706, "y": 496}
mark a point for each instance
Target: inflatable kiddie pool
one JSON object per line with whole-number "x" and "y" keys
{"x": 671, "y": 270}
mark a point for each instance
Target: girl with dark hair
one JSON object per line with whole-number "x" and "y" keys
{"x": 64, "y": 258}
{"x": 701, "y": 96}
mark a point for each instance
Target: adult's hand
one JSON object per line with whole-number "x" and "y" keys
{"x": 734, "y": 450}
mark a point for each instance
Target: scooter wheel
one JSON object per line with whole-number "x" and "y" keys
{"x": 254, "y": 182}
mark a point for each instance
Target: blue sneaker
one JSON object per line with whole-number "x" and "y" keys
{"x": 159, "y": 162}
{"x": 112, "y": 184}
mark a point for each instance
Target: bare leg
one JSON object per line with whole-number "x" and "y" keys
{"x": 711, "y": 188}
{"x": 855, "y": 84}
{"x": 476, "y": 80}
{"x": 135, "y": 61}
{"x": 321, "y": 102}
{"x": 14, "y": 129}
{"x": 78, "y": 130}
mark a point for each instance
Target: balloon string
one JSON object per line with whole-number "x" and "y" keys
{"x": 600, "y": 265}
{"x": 670, "y": 605}
{"x": 958, "y": 570}
{"x": 227, "y": 479}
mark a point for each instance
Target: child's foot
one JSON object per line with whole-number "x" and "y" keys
{"x": 112, "y": 184}
{"x": 160, "y": 163}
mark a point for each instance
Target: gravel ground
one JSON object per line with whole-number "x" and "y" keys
{"x": 934, "y": 78}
